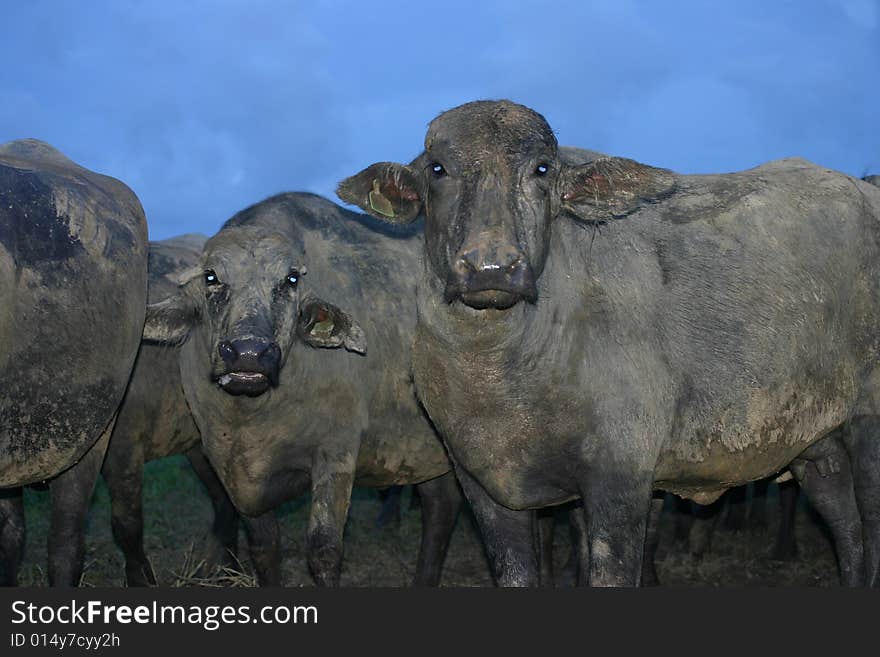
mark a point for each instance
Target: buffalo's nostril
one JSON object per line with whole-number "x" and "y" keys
{"x": 469, "y": 261}
{"x": 505, "y": 258}
{"x": 228, "y": 353}
{"x": 252, "y": 349}
{"x": 488, "y": 259}
{"x": 514, "y": 264}
{"x": 271, "y": 354}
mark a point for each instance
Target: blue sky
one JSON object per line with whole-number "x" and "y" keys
{"x": 206, "y": 107}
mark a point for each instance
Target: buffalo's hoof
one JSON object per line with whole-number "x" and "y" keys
{"x": 142, "y": 575}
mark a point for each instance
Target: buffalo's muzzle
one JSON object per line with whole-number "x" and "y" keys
{"x": 252, "y": 366}
{"x": 490, "y": 276}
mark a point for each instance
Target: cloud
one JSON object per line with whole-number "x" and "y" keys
{"x": 202, "y": 107}
{"x": 206, "y": 107}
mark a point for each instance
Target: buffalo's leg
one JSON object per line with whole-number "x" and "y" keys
{"x": 758, "y": 505}
{"x": 221, "y": 547}
{"x": 684, "y": 518}
{"x": 332, "y": 479}
{"x": 579, "y": 561}
{"x": 545, "y": 526}
{"x": 786, "y": 545}
{"x": 577, "y": 533}
{"x": 414, "y": 500}
{"x": 441, "y": 500}
{"x": 124, "y": 474}
{"x": 863, "y": 444}
{"x": 12, "y": 535}
{"x": 735, "y": 518}
{"x": 507, "y": 534}
{"x": 823, "y": 472}
{"x": 652, "y": 541}
{"x": 703, "y": 528}
{"x": 569, "y": 575}
{"x": 390, "y": 512}
{"x": 70, "y": 493}
{"x": 617, "y": 504}
{"x": 264, "y": 545}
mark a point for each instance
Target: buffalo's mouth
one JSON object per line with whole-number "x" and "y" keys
{"x": 490, "y": 297}
{"x": 485, "y": 299}
{"x": 252, "y": 384}
{"x": 250, "y": 365}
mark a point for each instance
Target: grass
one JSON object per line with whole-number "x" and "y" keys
{"x": 177, "y": 514}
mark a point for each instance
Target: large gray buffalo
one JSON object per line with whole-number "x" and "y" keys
{"x": 599, "y": 331}
{"x": 154, "y": 421}
{"x": 298, "y": 324}
{"x": 73, "y": 289}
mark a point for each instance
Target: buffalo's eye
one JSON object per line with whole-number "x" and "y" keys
{"x": 541, "y": 170}
{"x": 292, "y": 277}
{"x": 438, "y": 170}
{"x": 211, "y": 277}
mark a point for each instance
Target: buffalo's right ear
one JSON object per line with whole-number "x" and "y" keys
{"x": 388, "y": 191}
{"x": 169, "y": 321}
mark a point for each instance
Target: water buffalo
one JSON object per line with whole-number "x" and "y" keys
{"x": 154, "y": 421}
{"x": 73, "y": 289}
{"x": 603, "y": 330}
{"x": 297, "y": 324}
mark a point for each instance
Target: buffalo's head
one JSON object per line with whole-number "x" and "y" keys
{"x": 249, "y": 297}
{"x": 490, "y": 183}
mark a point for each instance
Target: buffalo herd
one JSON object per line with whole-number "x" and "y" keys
{"x": 508, "y": 322}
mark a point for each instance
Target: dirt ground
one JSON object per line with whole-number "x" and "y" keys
{"x": 178, "y": 513}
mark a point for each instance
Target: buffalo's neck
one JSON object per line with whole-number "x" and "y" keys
{"x": 483, "y": 334}
{"x": 500, "y": 384}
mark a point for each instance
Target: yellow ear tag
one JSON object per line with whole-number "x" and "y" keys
{"x": 379, "y": 203}
{"x": 324, "y": 328}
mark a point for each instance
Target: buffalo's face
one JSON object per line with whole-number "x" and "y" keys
{"x": 250, "y": 296}
{"x": 249, "y": 300}
{"x": 488, "y": 171}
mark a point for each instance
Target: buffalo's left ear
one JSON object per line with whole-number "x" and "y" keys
{"x": 323, "y": 325}
{"x": 611, "y": 188}
{"x": 169, "y": 321}
{"x": 189, "y": 274}
{"x": 387, "y": 190}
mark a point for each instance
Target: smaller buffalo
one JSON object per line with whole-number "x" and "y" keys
{"x": 296, "y": 329}
{"x": 154, "y": 421}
